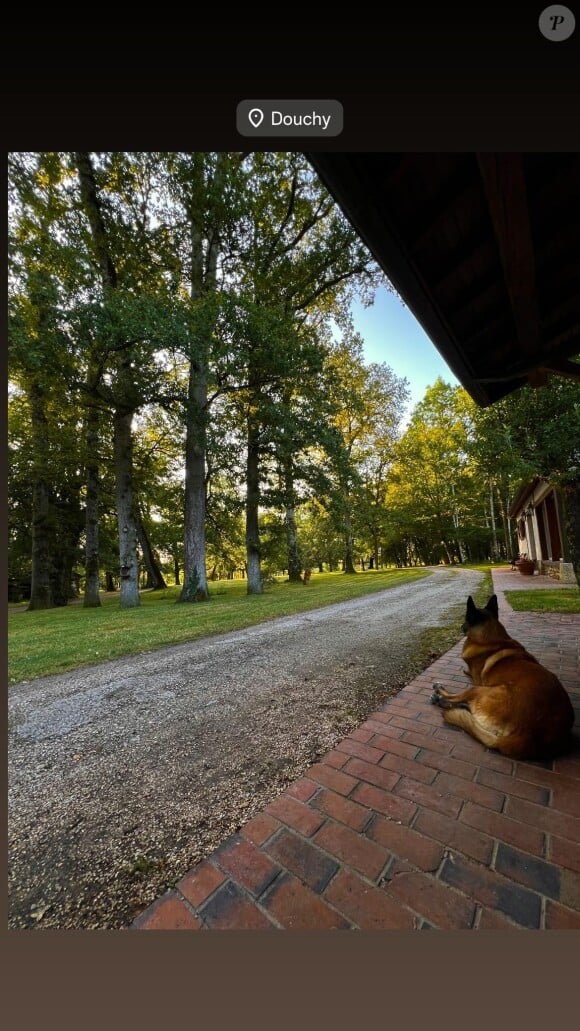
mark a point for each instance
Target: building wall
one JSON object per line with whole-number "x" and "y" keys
{"x": 540, "y": 533}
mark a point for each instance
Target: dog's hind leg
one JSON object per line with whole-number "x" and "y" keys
{"x": 484, "y": 712}
{"x": 464, "y": 718}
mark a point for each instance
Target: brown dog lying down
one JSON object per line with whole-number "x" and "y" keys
{"x": 516, "y": 706}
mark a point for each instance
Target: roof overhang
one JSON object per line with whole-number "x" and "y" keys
{"x": 484, "y": 249}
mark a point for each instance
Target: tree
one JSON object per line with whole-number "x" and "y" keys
{"x": 158, "y": 462}
{"x": 43, "y": 269}
{"x": 125, "y": 405}
{"x": 431, "y": 478}
{"x": 385, "y": 395}
{"x": 19, "y": 494}
{"x": 303, "y": 447}
{"x": 300, "y": 254}
{"x": 369, "y": 404}
{"x": 135, "y": 318}
{"x": 266, "y": 349}
{"x": 323, "y": 542}
{"x": 208, "y": 190}
{"x": 498, "y": 467}
{"x": 536, "y": 432}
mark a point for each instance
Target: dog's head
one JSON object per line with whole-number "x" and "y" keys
{"x": 475, "y": 617}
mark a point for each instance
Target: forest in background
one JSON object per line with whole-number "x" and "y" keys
{"x": 189, "y": 399}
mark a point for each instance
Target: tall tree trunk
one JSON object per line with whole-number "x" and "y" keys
{"x": 92, "y": 207}
{"x": 203, "y": 283}
{"x": 255, "y": 585}
{"x": 448, "y": 551}
{"x": 376, "y": 539}
{"x": 68, "y": 522}
{"x": 155, "y": 578}
{"x": 194, "y": 564}
{"x": 123, "y": 449}
{"x": 349, "y": 547}
{"x": 92, "y": 598}
{"x": 41, "y": 583}
{"x": 129, "y": 567}
{"x": 494, "y": 551}
{"x": 294, "y": 561}
{"x": 507, "y": 534}
{"x": 63, "y": 567}
{"x": 455, "y": 517}
{"x": 176, "y": 569}
{"x": 571, "y": 505}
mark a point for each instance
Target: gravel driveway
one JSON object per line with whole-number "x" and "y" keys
{"x": 125, "y": 774}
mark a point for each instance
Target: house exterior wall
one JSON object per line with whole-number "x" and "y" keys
{"x": 540, "y": 533}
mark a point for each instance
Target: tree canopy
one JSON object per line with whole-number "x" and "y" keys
{"x": 189, "y": 399}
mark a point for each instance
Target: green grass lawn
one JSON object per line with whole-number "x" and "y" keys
{"x": 557, "y": 600}
{"x": 55, "y": 640}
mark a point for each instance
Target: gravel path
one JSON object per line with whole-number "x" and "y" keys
{"x": 123, "y": 775}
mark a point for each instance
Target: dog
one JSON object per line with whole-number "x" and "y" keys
{"x": 516, "y": 706}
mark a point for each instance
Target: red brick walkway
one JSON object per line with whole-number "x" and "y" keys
{"x": 408, "y": 823}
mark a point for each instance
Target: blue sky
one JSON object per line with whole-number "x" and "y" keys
{"x": 391, "y": 334}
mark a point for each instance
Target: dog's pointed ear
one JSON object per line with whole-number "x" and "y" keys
{"x": 471, "y": 608}
{"x": 492, "y": 608}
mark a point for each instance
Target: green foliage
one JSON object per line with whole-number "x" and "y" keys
{"x": 432, "y": 486}
{"x": 236, "y": 269}
{"x": 534, "y": 432}
{"x": 322, "y": 540}
{"x": 273, "y": 549}
{"x": 368, "y": 406}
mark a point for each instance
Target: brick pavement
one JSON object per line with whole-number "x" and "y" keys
{"x": 408, "y": 823}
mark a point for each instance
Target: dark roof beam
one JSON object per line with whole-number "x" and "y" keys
{"x": 492, "y": 332}
{"x": 556, "y": 240}
{"x": 355, "y": 195}
{"x": 473, "y": 243}
{"x": 468, "y": 302}
{"x": 571, "y": 370}
{"x": 505, "y": 188}
{"x": 561, "y": 317}
{"x": 433, "y": 218}
{"x": 565, "y": 344}
{"x": 537, "y": 375}
{"x": 557, "y": 195}
{"x": 558, "y": 291}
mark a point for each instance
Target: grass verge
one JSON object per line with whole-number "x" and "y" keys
{"x": 433, "y": 642}
{"x": 557, "y": 600}
{"x": 437, "y": 640}
{"x": 56, "y": 640}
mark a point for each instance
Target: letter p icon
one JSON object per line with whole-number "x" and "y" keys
{"x": 557, "y": 23}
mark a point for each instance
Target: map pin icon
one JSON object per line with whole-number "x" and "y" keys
{"x": 256, "y": 117}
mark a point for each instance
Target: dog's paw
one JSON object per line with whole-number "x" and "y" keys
{"x": 435, "y": 697}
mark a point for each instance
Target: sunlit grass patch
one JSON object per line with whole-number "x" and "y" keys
{"x": 55, "y": 640}
{"x": 561, "y": 599}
